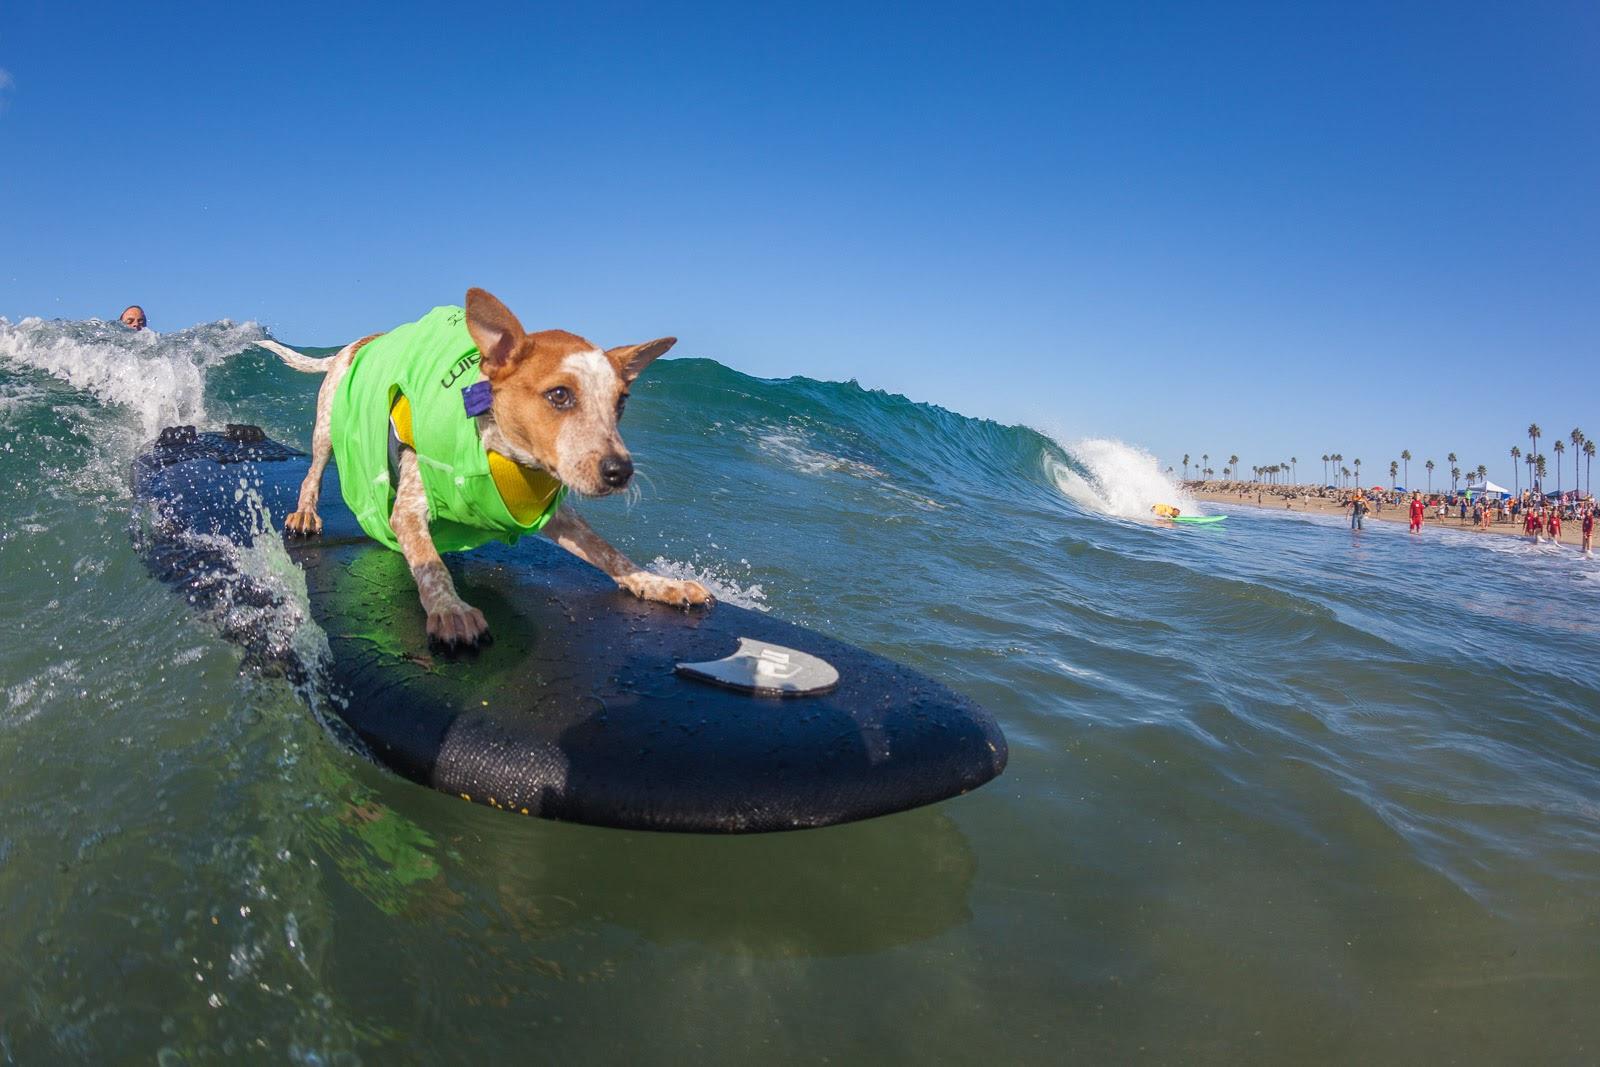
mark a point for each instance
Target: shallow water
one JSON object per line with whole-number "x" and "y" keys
{"x": 1277, "y": 791}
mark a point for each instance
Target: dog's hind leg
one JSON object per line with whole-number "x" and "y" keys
{"x": 451, "y": 621}
{"x": 305, "y": 522}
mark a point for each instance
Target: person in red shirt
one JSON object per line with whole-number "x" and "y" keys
{"x": 1588, "y": 530}
{"x": 1533, "y": 524}
{"x": 1416, "y": 512}
{"x": 1555, "y": 525}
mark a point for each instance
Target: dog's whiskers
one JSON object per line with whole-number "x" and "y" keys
{"x": 634, "y": 492}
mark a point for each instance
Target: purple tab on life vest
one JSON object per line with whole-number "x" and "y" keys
{"x": 476, "y": 398}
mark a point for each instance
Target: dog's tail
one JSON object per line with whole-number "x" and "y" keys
{"x": 304, "y": 364}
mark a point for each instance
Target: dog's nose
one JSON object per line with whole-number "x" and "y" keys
{"x": 616, "y": 470}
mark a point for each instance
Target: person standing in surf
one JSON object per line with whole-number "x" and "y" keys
{"x": 1588, "y": 530}
{"x": 1555, "y": 525}
{"x": 1358, "y": 511}
{"x": 1417, "y": 511}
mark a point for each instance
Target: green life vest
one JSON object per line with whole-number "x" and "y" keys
{"x": 430, "y": 362}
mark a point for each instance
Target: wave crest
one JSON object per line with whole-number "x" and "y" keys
{"x": 160, "y": 378}
{"x": 1115, "y": 479}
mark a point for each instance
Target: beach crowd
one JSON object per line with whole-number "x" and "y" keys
{"x": 1542, "y": 517}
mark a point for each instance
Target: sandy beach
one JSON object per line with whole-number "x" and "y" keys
{"x": 1304, "y": 498}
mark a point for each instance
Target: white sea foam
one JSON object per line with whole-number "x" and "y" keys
{"x": 27, "y": 698}
{"x": 1118, "y": 479}
{"x": 158, "y": 378}
{"x": 804, "y": 456}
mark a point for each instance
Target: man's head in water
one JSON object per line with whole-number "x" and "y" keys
{"x": 133, "y": 317}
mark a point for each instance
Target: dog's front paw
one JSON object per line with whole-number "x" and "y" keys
{"x": 458, "y": 625}
{"x": 690, "y": 595}
{"x": 303, "y": 524}
{"x": 682, "y": 594}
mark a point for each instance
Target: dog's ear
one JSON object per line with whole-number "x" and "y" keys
{"x": 495, "y": 331}
{"x": 631, "y": 360}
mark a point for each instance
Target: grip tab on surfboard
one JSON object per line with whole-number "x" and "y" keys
{"x": 764, "y": 669}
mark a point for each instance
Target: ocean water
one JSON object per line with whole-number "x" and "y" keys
{"x": 1278, "y": 792}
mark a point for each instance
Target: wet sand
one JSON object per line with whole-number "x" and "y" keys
{"x": 1571, "y": 532}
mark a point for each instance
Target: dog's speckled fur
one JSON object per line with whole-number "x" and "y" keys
{"x": 556, "y": 400}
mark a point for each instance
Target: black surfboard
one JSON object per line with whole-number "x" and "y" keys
{"x": 579, "y": 709}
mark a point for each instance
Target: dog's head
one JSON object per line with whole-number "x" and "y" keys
{"x": 556, "y": 397}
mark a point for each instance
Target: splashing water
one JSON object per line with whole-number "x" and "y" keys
{"x": 160, "y": 378}
{"x": 1120, "y": 479}
{"x": 716, "y": 577}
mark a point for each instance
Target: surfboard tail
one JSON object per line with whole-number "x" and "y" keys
{"x": 302, "y": 363}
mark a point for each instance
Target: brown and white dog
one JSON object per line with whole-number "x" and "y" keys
{"x": 555, "y": 403}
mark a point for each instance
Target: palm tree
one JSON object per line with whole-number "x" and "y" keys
{"x": 1588, "y": 465}
{"x": 1483, "y": 476}
{"x": 1186, "y": 466}
{"x": 1394, "y": 472}
{"x": 1534, "y": 433}
{"x": 1560, "y": 447}
{"x": 1405, "y": 457}
{"x": 1205, "y": 457}
{"x": 1358, "y": 474}
{"x": 1530, "y": 459}
{"x": 1455, "y": 476}
{"x": 1516, "y": 485}
{"x": 1338, "y": 459}
{"x": 1538, "y": 465}
{"x": 1233, "y": 461}
{"x": 1324, "y": 468}
{"x": 1577, "y": 440}
{"x": 1294, "y": 475}
{"x": 1429, "y": 465}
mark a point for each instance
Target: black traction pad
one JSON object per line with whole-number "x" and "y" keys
{"x": 575, "y": 711}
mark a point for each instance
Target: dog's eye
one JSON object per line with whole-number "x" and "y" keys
{"x": 560, "y": 397}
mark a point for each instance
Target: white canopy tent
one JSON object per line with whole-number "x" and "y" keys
{"x": 1488, "y": 488}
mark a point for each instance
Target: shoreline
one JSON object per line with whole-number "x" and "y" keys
{"x": 1277, "y": 498}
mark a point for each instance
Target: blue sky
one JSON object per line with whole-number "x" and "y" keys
{"x": 1266, "y": 229}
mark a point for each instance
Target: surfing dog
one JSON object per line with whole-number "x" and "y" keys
{"x": 548, "y": 403}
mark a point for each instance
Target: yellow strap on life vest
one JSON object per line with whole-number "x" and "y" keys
{"x": 526, "y": 492}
